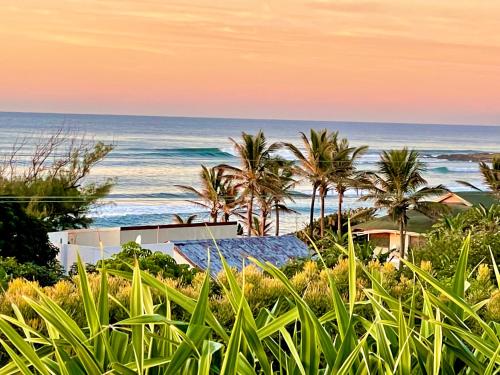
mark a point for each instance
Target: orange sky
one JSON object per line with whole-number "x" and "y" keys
{"x": 393, "y": 60}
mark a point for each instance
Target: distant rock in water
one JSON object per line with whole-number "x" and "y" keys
{"x": 476, "y": 156}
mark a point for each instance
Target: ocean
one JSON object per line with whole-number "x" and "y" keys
{"x": 153, "y": 154}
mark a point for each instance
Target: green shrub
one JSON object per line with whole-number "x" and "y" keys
{"x": 156, "y": 263}
{"x": 444, "y": 241}
{"x": 48, "y": 274}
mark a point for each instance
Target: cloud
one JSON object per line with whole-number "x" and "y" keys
{"x": 85, "y": 41}
{"x": 346, "y": 6}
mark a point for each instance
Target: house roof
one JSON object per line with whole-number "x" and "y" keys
{"x": 277, "y": 250}
{"x": 477, "y": 197}
{"x": 417, "y": 223}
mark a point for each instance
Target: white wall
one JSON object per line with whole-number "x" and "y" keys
{"x": 179, "y": 233}
{"x": 92, "y": 237}
{"x": 120, "y": 236}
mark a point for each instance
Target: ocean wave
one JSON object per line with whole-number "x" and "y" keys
{"x": 151, "y": 196}
{"x": 446, "y": 170}
{"x": 185, "y": 152}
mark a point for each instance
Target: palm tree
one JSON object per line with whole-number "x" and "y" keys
{"x": 230, "y": 199}
{"x": 275, "y": 188}
{"x": 315, "y": 166}
{"x": 264, "y": 201}
{"x": 399, "y": 185}
{"x": 284, "y": 183}
{"x": 343, "y": 174}
{"x": 212, "y": 180}
{"x": 254, "y": 153}
{"x": 177, "y": 219}
{"x": 491, "y": 176}
{"x": 260, "y": 229}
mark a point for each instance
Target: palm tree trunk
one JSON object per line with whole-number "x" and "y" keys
{"x": 311, "y": 216}
{"x": 402, "y": 235}
{"x": 339, "y": 214}
{"x": 322, "y": 214}
{"x": 263, "y": 217}
{"x": 250, "y": 215}
{"x": 277, "y": 224}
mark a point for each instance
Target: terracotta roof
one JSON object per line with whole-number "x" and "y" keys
{"x": 277, "y": 250}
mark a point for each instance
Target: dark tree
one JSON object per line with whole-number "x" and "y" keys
{"x": 24, "y": 237}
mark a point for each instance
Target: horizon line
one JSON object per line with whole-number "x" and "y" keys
{"x": 251, "y": 118}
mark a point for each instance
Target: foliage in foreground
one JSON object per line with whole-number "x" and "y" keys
{"x": 445, "y": 334}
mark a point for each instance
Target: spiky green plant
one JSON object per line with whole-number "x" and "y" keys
{"x": 442, "y": 334}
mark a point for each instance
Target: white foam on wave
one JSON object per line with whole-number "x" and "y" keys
{"x": 126, "y": 209}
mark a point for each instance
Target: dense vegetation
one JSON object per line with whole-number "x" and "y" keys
{"x": 330, "y": 320}
{"x": 156, "y": 263}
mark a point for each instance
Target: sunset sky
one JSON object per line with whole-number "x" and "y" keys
{"x": 393, "y": 60}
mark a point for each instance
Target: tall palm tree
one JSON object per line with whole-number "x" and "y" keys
{"x": 343, "y": 174}
{"x": 314, "y": 165}
{"x": 399, "y": 186}
{"x": 254, "y": 154}
{"x": 275, "y": 189}
{"x": 210, "y": 194}
{"x": 491, "y": 176}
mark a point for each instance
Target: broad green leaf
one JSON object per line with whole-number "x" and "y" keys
{"x": 231, "y": 355}
{"x": 438, "y": 344}
{"x": 24, "y": 348}
{"x": 460, "y": 277}
{"x": 136, "y": 310}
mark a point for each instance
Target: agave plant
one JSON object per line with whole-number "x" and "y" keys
{"x": 443, "y": 334}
